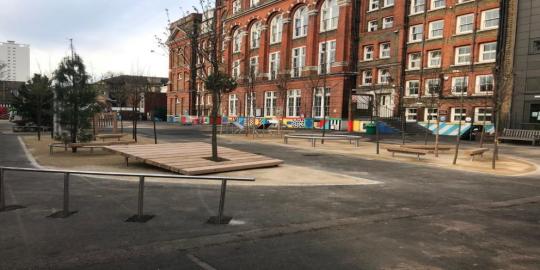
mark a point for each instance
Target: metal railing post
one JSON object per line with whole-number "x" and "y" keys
{"x": 2, "y": 191}
{"x": 141, "y": 197}
{"x": 222, "y": 200}
{"x": 66, "y": 194}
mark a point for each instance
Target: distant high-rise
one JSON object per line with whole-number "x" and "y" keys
{"x": 17, "y": 59}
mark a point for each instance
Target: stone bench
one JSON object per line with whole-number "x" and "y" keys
{"x": 110, "y": 136}
{"x": 476, "y": 152}
{"x": 314, "y": 138}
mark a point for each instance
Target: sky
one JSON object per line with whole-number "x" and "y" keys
{"x": 110, "y": 35}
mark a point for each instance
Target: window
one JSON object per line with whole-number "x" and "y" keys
{"x": 430, "y": 114}
{"x": 327, "y": 56}
{"x": 463, "y": 55}
{"x": 490, "y": 19}
{"x": 276, "y": 27}
{"x": 237, "y": 41}
{"x": 255, "y": 35}
{"x": 460, "y": 85}
{"x": 253, "y": 67}
{"x": 436, "y": 29}
{"x": 373, "y": 5}
{"x": 250, "y": 104}
{"x": 293, "y": 103}
{"x": 236, "y": 69}
{"x": 534, "y": 113}
{"x": 298, "y": 61}
{"x": 433, "y": 87}
{"x": 388, "y": 3}
{"x": 372, "y": 26}
{"x": 329, "y": 15}
{"x": 321, "y": 102}
{"x": 464, "y": 1}
{"x": 488, "y": 52}
{"x": 465, "y": 24}
{"x": 384, "y": 76}
{"x": 236, "y": 6}
{"x": 270, "y": 100}
{"x": 411, "y": 114}
{"x": 368, "y": 53}
{"x": 412, "y": 88}
{"x": 417, "y": 6}
{"x": 434, "y": 59}
{"x": 384, "y": 50}
{"x": 388, "y": 22}
{"x": 233, "y": 105}
{"x": 367, "y": 77}
{"x": 300, "y": 22}
{"x": 484, "y": 84}
{"x": 253, "y": 3}
{"x": 436, "y": 4}
{"x": 459, "y": 114}
{"x": 274, "y": 65}
{"x": 416, "y": 33}
{"x": 415, "y": 60}
{"x": 482, "y": 114}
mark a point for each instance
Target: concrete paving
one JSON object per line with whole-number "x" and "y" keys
{"x": 418, "y": 218}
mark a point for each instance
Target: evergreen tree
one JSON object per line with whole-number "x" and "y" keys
{"x": 34, "y": 101}
{"x": 76, "y": 98}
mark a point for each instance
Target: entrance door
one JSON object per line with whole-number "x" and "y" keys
{"x": 385, "y": 105}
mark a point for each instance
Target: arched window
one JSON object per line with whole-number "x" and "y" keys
{"x": 300, "y": 22}
{"x": 276, "y": 26}
{"x": 329, "y": 15}
{"x": 255, "y": 35}
{"x": 237, "y": 41}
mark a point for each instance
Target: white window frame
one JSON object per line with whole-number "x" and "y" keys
{"x": 233, "y": 105}
{"x": 273, "y": 65}
{"x": 235, "y": 71}
{"x": 417, "y": 7}
{"x": 436, "y": 33}
{"x": 408, "y": 88}
{"x": 414, "y": 61}
{"x": 434, "y": 3}
{"x": 250, "y": 104}
{"x": 255, "y": 35}
{"x": 384, "y": 53}
{"x": 323, "y": 95}
{"x": 427, "y": 91}
{"x": 373, "y": 5}
{"x": 270, "y": 103}
{"x": 329, "y": 15}
{"x": 414, "y": 33}
{"x": 237, "y": 41}
{"x": 298, "y": 61}
{"x": 388, "y": 22}
{"x": 411, "y": 113}
{"x": 430, "y": 114}
{"x": 329, "y": 54}
{"x": 373, "y": 26}
{"x": 483, "y": 52}
{"x": 487, "y": 112}
{"x": 462, "y": 114}
{"x": 459, "y": 54}
{"x": 431, "y": 59}
{"x": 276, "y": 29}
{"x": 300, "y": 22}
{"x": 367, "y": 74}
{"x": 462, "y": 84}
{"x": 383, "y": 76}
{"x": 484, "y": 19}
{"x": 460, "y": 23}
{"x": 369, "y": 52}
{"x": 478, "y": 84}
{"x": 388, "y": 3}
{"x": 236, "y": 6}
{"x": 254, "y": 66}
{"x": 294, "y": 96}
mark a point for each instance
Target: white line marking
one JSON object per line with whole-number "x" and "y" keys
{"x": 199, "y": 262}
{"x": 29, "y": 155}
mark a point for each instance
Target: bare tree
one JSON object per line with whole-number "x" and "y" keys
{"x": 282, "y": 82}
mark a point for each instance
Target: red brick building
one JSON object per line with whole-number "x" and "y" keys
{"x": 307, "y": 58}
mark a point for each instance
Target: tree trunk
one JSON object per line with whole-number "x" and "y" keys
{"x": 215, "y": 101}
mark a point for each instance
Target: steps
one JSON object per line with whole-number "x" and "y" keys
{"x": 411, "y": 128}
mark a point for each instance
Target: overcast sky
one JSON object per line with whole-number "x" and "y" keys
{"x": 110, "y": 35}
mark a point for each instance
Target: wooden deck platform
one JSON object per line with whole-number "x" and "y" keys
{"x": 191, "y": 158}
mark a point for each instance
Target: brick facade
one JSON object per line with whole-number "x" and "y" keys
{"x": 345, "y": 74}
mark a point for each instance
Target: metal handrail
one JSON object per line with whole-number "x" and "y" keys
{"x": 140, "y": 217}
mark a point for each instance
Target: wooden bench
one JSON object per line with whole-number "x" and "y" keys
{"x": 476, "y": 152}
{"x": 314, "y": 138}
{"x": 429, "y": 147}
{"x": 532, "y": 136}
{"x": 90, "y": 145}
{"x": 409, "y": 151}
{"x": 110, "y": 136}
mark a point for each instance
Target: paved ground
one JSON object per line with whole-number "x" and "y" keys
{"x": 419, "y": 218}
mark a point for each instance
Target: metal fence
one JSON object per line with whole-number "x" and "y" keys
{"x": 139, "y": 217}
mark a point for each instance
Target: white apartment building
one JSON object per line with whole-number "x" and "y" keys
{"x": 17, "y": 58}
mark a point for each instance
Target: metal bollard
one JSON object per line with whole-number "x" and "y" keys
{"x": 66, "y": 194}
{"x": 221, "y": 218}
{"x": 141, "y": 197}
{"x": 140, "y": 216}
{"x": 2, "y": 191}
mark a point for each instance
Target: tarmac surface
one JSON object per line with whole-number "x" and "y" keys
{"x": 418, "y": 218}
